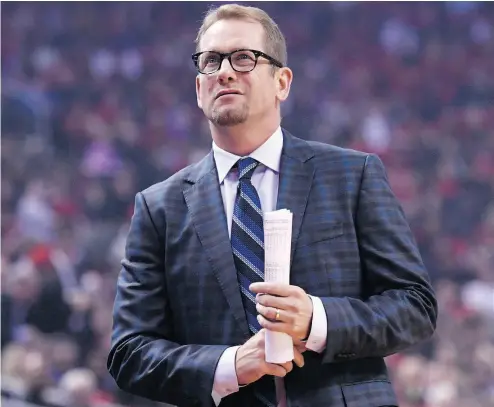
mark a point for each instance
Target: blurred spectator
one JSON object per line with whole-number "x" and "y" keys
{"x": 98, "y": 102}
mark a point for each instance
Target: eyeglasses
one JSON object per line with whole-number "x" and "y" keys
{"x": 241, "y": 60}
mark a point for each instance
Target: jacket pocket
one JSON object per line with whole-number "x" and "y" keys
{"x": 375, "y": 393}
{"x": 318, "y": 232}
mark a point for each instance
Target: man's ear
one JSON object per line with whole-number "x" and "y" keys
{"x": 198, "y": 93}
{"x": 284, "y": 78}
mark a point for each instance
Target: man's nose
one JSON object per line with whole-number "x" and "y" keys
{"x": 226, "y": 72}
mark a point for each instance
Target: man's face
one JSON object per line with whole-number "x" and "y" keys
{"x": 259, "y": 90}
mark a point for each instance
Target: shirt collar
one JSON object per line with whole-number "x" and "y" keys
{"x": 268, "y": 154}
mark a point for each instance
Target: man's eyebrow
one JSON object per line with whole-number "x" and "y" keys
{"x": 226, "y": 52}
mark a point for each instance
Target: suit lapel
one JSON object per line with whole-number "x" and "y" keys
{"x": 203, "y": 197}
{"x": 296, "y": 175}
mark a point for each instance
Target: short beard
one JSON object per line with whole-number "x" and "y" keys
{"x": 229, "y": 118}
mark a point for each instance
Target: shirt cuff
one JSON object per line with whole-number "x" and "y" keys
{"x": 225, "y": 376}
{"x": 319, "y": 328}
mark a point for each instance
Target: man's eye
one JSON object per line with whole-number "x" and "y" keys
{"x": 243, "y": 56}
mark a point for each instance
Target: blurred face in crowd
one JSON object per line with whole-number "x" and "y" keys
{"x": 258, "y": 92}
{"x": 25, "y": 285}
{"x": 64, "y": 354}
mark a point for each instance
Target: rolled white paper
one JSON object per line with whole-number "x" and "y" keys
{"x": 278, "y": 347}
{"x": 277, "y": 249}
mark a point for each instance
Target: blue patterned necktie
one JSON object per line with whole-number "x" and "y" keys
{"x": 247, "y": 238}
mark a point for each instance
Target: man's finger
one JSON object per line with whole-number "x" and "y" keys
{"x": 273, "y": 326}
{"x": 275, "y": 314}
{"x": 282, "y": 290}
{"x": 288, "y": 366}
{"x": 298, "y": 358}
{"x": 282, "y": 303}
{"x": 261, "y": 334}
{"x": 280, "y": 370}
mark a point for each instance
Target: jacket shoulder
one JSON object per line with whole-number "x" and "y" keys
{"x": 325, "y": 151}
{"x": 333, "y": 158}
{"x": 168, "y": 191}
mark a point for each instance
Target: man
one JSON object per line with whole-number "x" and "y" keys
{"x": 191, "y": 308}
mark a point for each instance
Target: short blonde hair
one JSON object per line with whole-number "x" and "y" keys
{"x": 275, "y": 42}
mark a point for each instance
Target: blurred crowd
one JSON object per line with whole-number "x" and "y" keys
{"x": 98, "y": 102}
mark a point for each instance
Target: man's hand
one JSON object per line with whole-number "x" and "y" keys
{"x": 251, "y": 365}
{"x": 293, "y": 305}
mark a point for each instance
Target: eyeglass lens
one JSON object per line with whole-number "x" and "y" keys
{"x": 242, "y": 61}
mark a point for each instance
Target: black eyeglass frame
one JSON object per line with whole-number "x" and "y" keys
{"x": 223, "y": 55}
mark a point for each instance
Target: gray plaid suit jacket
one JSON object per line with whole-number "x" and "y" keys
{"x": 178, "y": 305}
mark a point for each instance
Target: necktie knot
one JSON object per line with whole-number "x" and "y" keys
{"x": 246, "y": 167}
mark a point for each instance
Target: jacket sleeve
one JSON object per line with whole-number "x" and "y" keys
{"x": 144, "y": 360}
{"x": 398, "y": 308}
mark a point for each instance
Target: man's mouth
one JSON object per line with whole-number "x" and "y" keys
{"x": 227, "y": 92}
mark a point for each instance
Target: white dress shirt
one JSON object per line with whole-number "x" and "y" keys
{"x": 265, "y": 180}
